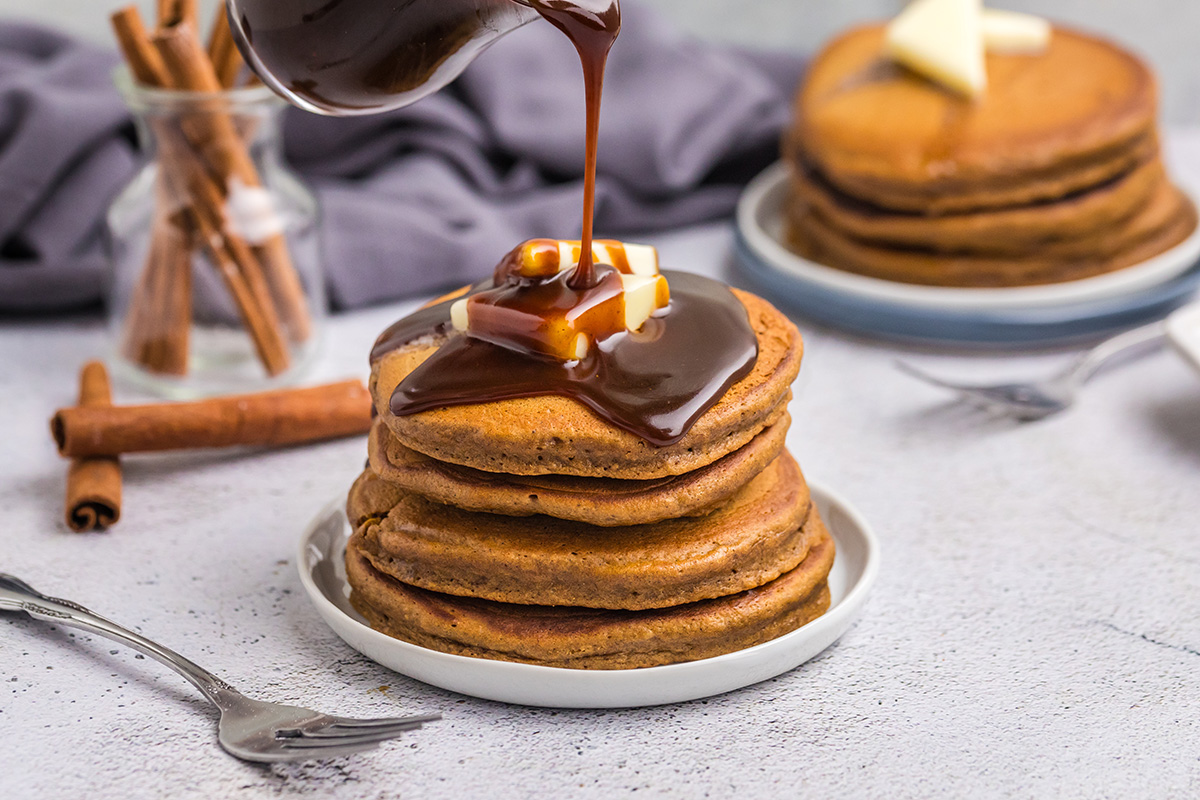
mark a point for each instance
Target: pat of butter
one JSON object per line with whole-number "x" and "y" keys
{"x": 643, "y": 290}
{"x": 539, "y": 258}
{"x": 1014, "y": 32}
{"x": 643, "y": 295}
{"x": 942, "y": 40}
{"x": 637, "y": 259}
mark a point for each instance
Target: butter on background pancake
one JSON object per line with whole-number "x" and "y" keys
{"x": 760, "y": 533}
{"x": 557, "y": 435}
{"x": 1049, "y": 124}
{"x": 597, "y": 501}
{"x": 585, "y": 638}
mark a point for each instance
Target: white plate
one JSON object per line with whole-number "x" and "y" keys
{"x": 760, "y": 223}
{"x": 322, "y": 571}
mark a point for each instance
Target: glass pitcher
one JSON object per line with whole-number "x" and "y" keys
{"x": 348, "y": 57}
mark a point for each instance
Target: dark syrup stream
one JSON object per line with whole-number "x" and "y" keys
{"x": 655, "y": 382}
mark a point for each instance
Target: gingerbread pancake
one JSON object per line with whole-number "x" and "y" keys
{"x": 1051, "y": 123}
{"x": 585, "y": 638}
{"x": 596, "y": 501}
{"x": 1165, "y": 221}
{"x": 1015, "y": 230}
{"x": 557, "y": 435}
{"x": 760, "y": 533}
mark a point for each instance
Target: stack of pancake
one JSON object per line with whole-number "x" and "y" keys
{"x": 1053, "y": 174}
{"x": 532, "y": 530}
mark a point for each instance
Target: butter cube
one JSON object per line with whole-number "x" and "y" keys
{"x": 942, "y": 40}
{"x": 634, "y": 259}
{"x": 545, "y": 315}
{"x": 643, "y": 295}
{"x": 1014, "y": 32}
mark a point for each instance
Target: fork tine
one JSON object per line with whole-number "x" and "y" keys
{"x": 339, "y": 740}
{"x": 922, "y": 375}
{"x": 301, "y": 753}
{"x": 988, "y": 395}
{"x": 335, "y": 732}
{"x": 385, "y": 722}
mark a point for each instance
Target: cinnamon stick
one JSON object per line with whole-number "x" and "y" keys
{"x": 93, "y": 482}
{"x": 279, "y": 417}
{"x": 139, "y": 317}
{"x": 159, "y": 318}
{"x": 215, "y": 137}
{"x": 175, "y": 301}
{"x": 144, "y": 61}
{"x": 222, "y": 52}
{"x": 173, "y": 12}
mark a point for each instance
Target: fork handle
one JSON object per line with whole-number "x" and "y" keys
{"x": 16, "y": 595}
{"x": 1153, "y": 334}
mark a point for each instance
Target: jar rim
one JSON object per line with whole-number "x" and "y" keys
{"x": 141, "y": 97}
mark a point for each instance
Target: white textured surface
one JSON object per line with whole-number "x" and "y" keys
{"x": 1035, "y": 631}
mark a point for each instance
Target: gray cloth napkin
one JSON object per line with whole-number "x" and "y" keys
{"x": 422, "y": 197}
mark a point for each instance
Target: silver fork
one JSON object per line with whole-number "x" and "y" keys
{"x": 249, "y": 729}
{"x": 1038, "y": 399}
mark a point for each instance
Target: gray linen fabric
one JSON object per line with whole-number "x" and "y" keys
{"x": 422, "y": 197}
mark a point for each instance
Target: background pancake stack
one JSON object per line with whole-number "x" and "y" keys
{"x": 531, "y": 530}
{"x": 1053, "y": 174}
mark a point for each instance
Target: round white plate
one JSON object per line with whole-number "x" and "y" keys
{"x": 322, "y": 571}
{"x": 760, "y": 224}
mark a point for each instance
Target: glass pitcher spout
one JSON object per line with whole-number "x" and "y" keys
{"x": 349, "y": 57}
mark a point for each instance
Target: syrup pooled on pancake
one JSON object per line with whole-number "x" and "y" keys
{"x": 654, "y": 383}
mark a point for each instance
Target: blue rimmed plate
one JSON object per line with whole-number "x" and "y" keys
{"x": 1023, "y": 315}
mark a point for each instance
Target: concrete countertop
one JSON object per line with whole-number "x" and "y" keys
{"x": 1035, "y": 630}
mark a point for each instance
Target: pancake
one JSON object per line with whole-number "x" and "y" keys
{"x": 1162, "y": 223}
{"x": 760, "y": 533}
{"x": 584, "y": 638}
{"x": 557, "y": 435}
{"x": 1014, "y": 230}
{"x": 1050, "y": 124}
{"x": 596, "y": 501}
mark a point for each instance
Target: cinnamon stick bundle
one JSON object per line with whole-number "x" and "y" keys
{"x": 93, "y": 482}
{"x": 203, "y": 159}
{"x": 274, "y": 418}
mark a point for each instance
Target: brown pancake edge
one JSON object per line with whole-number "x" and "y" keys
{"x": 1010, "y": 230}
{"x": 764, "y": 530}
{"x": 557, "y": 435}
{"x": 1069, "y": 177}
{"x": 596, "y": 501}
{"x": 1162, "y": 223}
{"x": 581, "y": 638}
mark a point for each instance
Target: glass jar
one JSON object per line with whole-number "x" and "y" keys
{"x": 216, "y": 283}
